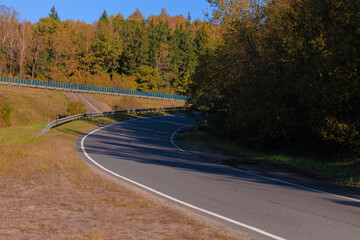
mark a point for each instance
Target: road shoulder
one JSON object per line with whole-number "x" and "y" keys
{"x": 264, "y": 168}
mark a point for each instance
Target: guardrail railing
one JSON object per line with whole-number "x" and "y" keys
{"x": 100, "y": 114}
{"x": 89, "y": 89}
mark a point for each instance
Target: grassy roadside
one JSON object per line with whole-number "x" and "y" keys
{"x": 31, "y": 105}
{"x": 347, "y": 173}
{"x": 122, "y": 102}
{"x": 28, "y": 105}
{"x": 48, "y": 192}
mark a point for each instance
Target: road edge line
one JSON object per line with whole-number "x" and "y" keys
{"x": 269, "y": 178}
{"x": 167, "y": 196}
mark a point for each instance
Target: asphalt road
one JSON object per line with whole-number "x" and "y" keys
{"x": 140, "y": 151}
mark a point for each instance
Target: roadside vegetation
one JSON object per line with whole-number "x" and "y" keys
{"x": 122, "y": 103}
{"x": 156, "y": 54}
{"x": 21, "y": 106}
{"x": 284, "y": 78}
{"x": 4, "y": 113}
{"x": 76, "y": 108}
{"x": 48, "y": 191}
{"x": 31, "y": 106}
{"x": 342, "y": 172}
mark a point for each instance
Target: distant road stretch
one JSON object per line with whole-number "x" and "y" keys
{"x": 140, "y": 151}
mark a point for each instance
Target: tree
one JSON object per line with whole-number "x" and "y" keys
{"x": 104, "y": 18}
{"x": 54, "y": 15}
{"x": 189, "y": 17}
{"x": 36, "y": 52}
{"x": 9, "y": 23}
{"x": 184, "y": 59}
{"x": 106, "y": 49}
{"x": 284, "y": 75}
{"x": 160, "y": 49}
{"x": 111, "y": 49}
{"x": 136, "y": 16}
{"x": 135, "y": 37}
{"x": 24, "y": 44}
{"x": 148, "y": 79}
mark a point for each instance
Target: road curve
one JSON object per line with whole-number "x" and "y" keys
{"x": 140, "y": 151}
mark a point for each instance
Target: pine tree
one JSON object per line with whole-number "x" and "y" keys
{"x": 104, "y": 17}
{"x": 54, "y": 15}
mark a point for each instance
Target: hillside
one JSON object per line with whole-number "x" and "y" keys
{"x": 29, "y": 106}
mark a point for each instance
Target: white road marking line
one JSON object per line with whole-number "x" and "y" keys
{"x": 89, "y": 103}
{"x": 269, "y": 178}
{"x": 169, "y": 197}
{"x": 172, "y": 136}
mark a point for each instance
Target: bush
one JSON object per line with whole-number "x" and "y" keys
{"x": 5, "y": 111}
{"x": 76, "y": 108}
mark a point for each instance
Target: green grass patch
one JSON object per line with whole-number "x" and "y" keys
{"x": 335, "y": 171}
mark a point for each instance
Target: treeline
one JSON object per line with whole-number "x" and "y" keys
{"x": 285, "y": 76}
{"x": 159, "y": 53}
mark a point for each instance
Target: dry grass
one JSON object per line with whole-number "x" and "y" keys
{"x": 31, "y": 105}
{"x": 121, "y": 102}
{"x": 48, "y": 192}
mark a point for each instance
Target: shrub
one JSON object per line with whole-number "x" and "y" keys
{"x": 76, "y": 108}
{"x": 5, "y": 111}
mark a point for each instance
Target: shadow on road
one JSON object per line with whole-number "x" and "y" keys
{"x": 148, "y": 142}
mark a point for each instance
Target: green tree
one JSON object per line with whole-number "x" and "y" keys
{"x": 54, "y": 15}
{"x": 104, "y": 17}
{"x": 184, "y": 59}
{"x": 106, "y": 48}
{"x": 148, "y": 79}
{"x": 135, "y": 38}
{"x": 288, "y": 74}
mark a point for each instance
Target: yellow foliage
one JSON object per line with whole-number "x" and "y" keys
{"x": 225, "y": 12}
{"x": 339, "y": 132}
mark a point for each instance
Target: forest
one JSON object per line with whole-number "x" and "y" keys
{"x": 159, "y": 53}
{"x": 284, "y": 76}
{"x": 279, "y": 75}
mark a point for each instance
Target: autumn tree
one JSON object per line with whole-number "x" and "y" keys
{"x": 284, "y": 75}
{"x": 158, "y": 53}
{"x": 8, "y": 24}
{"x": 24, "y": 44}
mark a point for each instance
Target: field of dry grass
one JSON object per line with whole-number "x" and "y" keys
{"x": 121, "y": 102}
{"x": 48, "y": 192}
{"x": 30, "y": 106}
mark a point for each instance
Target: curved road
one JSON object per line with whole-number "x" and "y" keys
{"x": 140, "y": 151}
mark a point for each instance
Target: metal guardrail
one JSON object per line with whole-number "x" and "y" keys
{"x": 89, "y": 89}
{"x": 100, "y": 114}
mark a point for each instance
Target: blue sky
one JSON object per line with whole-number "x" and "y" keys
{"x": 90, "y": 10}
